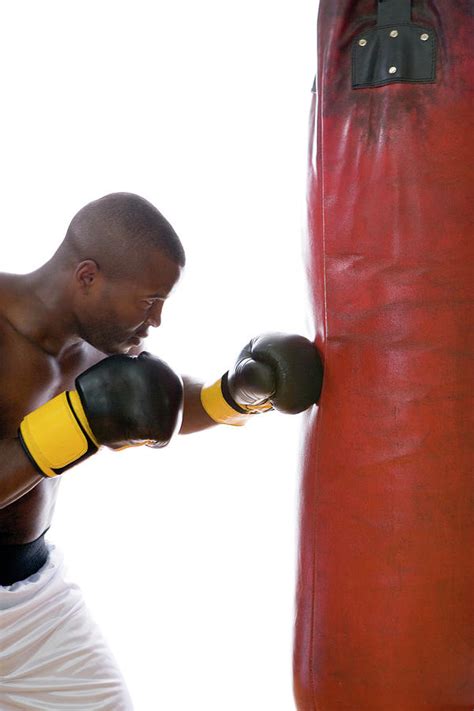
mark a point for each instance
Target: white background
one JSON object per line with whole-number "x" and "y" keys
{"x": 186, "y": 556}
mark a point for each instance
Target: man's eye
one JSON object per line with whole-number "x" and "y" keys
{"x": 147, "y": 303}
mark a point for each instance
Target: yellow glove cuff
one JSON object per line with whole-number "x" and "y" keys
{"x": 220, "y": 410}
{"x": 57, "y": 435}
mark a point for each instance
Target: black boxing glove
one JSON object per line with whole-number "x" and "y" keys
{"x": 120, "y": 402}
{"x": 274, "y": 371}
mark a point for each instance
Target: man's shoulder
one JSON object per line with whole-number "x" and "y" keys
{"x": 8, "y": 284}
{"x": 8, "y": 295}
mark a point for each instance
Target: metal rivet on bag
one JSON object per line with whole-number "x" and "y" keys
{"x": 394, "y": 33}
{"x": 392, "y": 70}
{"x": 424, "y": 37}
{"x": 362, "y": 42}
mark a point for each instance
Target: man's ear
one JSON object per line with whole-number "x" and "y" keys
{"x": 86, "y": 274}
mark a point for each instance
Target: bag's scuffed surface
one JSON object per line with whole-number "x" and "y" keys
{"x": 386, "y": 570}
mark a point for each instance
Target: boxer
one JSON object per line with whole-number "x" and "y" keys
{"x": 75, "y": 378}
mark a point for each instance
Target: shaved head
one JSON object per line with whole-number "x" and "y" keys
{"x": 118, "y": 231}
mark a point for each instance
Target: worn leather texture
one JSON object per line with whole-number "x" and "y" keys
{"x": 385, "y": 588}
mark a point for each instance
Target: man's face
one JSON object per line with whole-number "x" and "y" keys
{"x": 116, "y": 313}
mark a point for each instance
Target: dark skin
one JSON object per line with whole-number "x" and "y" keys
{"x": 54, "y": 324}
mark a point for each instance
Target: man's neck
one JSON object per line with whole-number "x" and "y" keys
{"x": 42, "y": 311}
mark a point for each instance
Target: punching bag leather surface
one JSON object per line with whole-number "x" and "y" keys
{"x": 385, "y": 594}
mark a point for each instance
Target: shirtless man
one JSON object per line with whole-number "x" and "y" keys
{"x": 93, "y": 303}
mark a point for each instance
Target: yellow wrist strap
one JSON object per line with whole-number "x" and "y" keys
{"x": 220, "y": 410}
{"x": 57, "y": 435}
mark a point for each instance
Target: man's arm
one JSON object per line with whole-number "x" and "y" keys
{"x": 195, "y": 418}
{"x": 18, "y": 475}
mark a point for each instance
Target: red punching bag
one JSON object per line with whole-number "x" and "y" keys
{"x": 385, "y": 595}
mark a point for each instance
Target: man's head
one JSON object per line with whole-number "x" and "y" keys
{"x": 125, "y": 259}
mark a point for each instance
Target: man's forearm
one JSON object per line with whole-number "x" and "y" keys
{"x": 17, "y": 476}
{"x": 195, "y": 418}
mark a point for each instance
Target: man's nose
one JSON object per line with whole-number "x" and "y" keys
{"x": 154, "y": 316}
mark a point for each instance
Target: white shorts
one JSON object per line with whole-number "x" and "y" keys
{"x": 52, "y": 654}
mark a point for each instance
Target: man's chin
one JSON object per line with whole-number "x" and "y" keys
{"x": 121, "y": 348}
{"x": 133, "y": 346}
{"x": 125, "y": 348}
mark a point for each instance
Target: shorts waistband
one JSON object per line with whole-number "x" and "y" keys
{"x": 20, "y": 560}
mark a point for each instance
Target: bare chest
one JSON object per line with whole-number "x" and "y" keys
{"x": 29, "y": 378}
